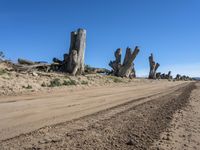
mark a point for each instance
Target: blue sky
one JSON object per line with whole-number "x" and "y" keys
{"x": 40, "y": 30}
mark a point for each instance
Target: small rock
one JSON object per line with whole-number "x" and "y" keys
{"x": 130, "y": 142}
{"x": 45, "y": 140}
{"x": 35, "y": 74}
{"x": 168, "y": 117}
{"x": 166, "y": 138}
{"x": 42, "y": 141}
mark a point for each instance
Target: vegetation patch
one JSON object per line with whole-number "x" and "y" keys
{"x": 115, "y": 79}
{"x": 69, "y": 82}
{"x": 3, "y": 71}
{"x": 55, "y": 82}
{"x": 84, "y": 82}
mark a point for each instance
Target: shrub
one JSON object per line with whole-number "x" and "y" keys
{"x": 84, "y": 82}
{"x": 55, "y": 82}
{"x": 66, "y": 83}
{"x": 115, "y": 79}
{"x": 29, "y": 87}
{"x": 2, "y": 71}
{"x": 69, "y": 82}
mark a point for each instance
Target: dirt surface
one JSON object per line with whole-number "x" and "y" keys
{"x": 184, "y": 130}
{"x": 22, "y": 114}
{"x": 129, "y": 117}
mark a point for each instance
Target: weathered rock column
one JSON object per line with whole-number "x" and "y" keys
{"x": 153, "y": 67}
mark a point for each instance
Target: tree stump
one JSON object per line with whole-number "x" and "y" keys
{"x": 153, "y": 67}
{"x": 115, "y": 65}
{"x": 127, "y": 68}
{"x": 169, "y": 76}
{"x": 74, "y": 61}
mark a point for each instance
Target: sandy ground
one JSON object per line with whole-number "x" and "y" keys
{"x": 128, "y": 116}
{"x": 184, "y": 130}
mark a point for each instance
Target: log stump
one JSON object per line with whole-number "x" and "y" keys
{"x": 74, "y": 61}
{"x": 127, "y": 68}
{"x": 153, "y": 67}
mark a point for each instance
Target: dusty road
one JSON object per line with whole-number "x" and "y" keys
{"x": 120, "y": 108}
{"x": 183, "y": 132}
{"x": 27, "y": 113}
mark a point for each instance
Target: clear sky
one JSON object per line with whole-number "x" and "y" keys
{"x": 40, "y": 30}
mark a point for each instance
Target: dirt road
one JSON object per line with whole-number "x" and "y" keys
{"x": 184, "y": 129}
{"x": 24, "y": 114}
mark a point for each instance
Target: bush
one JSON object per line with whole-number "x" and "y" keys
{"x": 66, "y": 83}
{"x": 115, "y": 79}
{"x": 84, "y": 82}
{"x": 2, "y": 71}
{"x": 69, "y": 82}
{"x": 55, "y": 82}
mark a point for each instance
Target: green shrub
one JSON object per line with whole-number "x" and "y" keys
{"x": 2, "y": 71}
{"x": 69, "y": 82}
{"x": 73, "y": 82}
{"x": 66, "y": 83}
{"x": 29, "y": 87}
{"x": 115, "y": 79}
{"x": 84, "y": 82}
{"x": 55, "y": 82}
